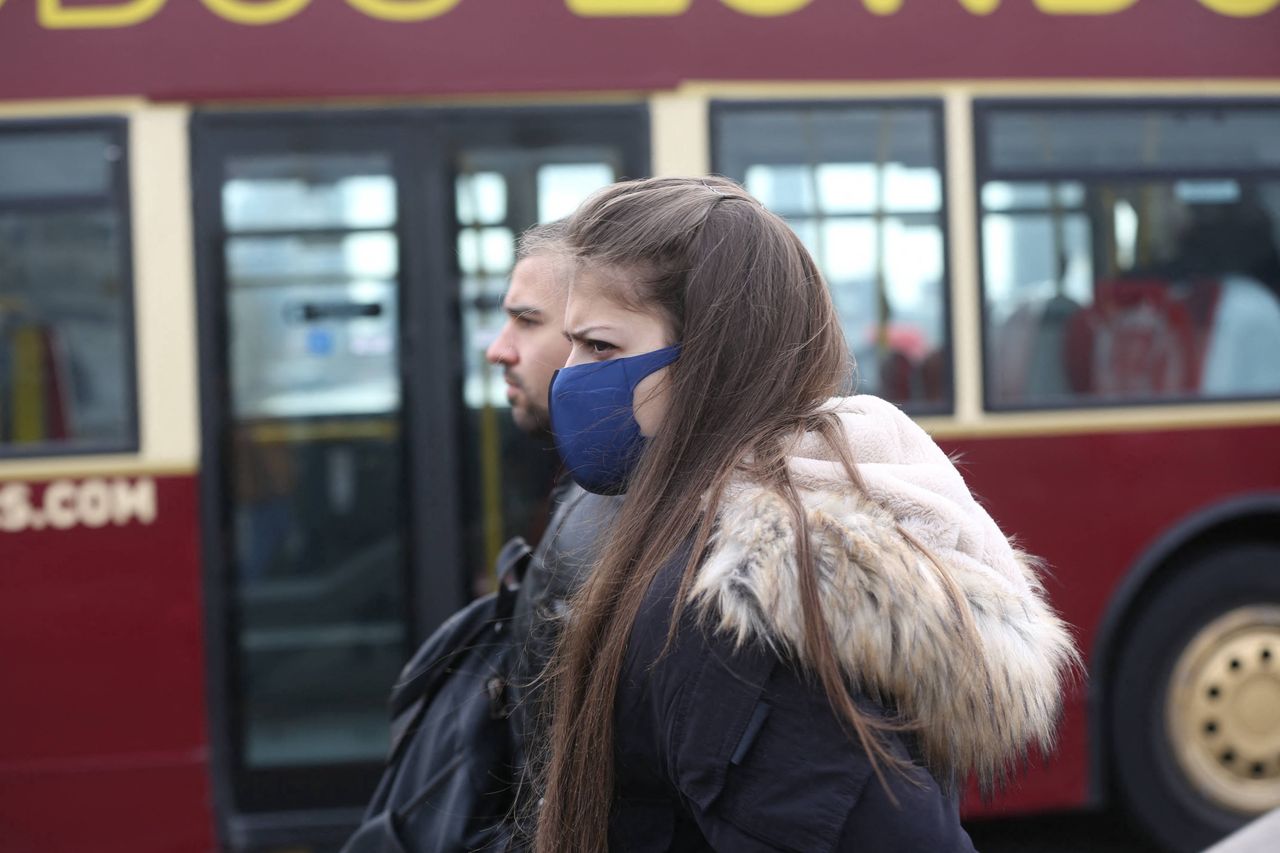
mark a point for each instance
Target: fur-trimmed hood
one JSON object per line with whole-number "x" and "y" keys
{"x": 895, "y": 630}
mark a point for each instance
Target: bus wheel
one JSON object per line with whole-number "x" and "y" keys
{"x": 1195, "y": 704}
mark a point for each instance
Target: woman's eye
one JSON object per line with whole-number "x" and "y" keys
{"x": 600, "y": 347}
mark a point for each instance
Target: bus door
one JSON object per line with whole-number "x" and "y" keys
{"x": 359, "y": 468}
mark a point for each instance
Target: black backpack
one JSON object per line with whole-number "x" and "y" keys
{"x": 451, "y": 779}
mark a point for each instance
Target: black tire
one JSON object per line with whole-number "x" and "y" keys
{"x": 1153, "y": 786}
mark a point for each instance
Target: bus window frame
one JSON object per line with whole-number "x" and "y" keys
{"x": 936, "y": 106}
{"x": 984, "y": 108}
{"x": 117, "y": 199}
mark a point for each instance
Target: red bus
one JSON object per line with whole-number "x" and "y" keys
{"x": 251, "y": 253}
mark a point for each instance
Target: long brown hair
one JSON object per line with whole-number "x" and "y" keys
{"x": 762, "y": 349}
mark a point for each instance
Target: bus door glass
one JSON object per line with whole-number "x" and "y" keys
{"x": 313, "y": 457}
{"x": 501, "y": 189}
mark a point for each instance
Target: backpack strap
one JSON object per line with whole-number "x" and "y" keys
{"x": 441, "y": 652}
{"x": 511, "y": 566}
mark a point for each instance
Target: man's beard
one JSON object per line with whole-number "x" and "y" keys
{"x": 532, "y": 418}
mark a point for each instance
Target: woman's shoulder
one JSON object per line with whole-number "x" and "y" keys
{"x": 761, "y": 760}
{"x": 679, "y": 692}
{"x": 658, "y": 654}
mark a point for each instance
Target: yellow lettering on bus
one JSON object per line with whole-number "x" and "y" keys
{"x": 60, "y": 504}
{"x": 628, "y": 8}
{"x": 404, "y": 10}
{"x": 889, "y": 7}
{"x": 980, "y": 7}
{"x": 1083, "y": 7}
{"x": 766, "y": 8}
{"x": 53, "y": 15}
{"x": 132, "y": 501}
{"x": 256, "y": 13}
{"x": 882, "y": 7}
{"x": 1241, "y": 8}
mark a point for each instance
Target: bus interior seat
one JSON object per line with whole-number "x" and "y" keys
{"x": 1029, "y": 350}
{"x": 1136, "y": 340}
{"x": 897, "y": 374}
{"x": 933, "y": 375}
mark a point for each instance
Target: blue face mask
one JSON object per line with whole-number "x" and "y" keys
{"x": 593, "y": 421}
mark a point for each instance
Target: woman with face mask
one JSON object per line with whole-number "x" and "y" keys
{"x": 803, "y": 632}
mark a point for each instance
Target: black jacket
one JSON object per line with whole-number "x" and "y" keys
{"x": 727, "y": 750}
{"x": 560, "y": 564}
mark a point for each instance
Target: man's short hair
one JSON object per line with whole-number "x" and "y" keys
{"x": 547, "y": 238}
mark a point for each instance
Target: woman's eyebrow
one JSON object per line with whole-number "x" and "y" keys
{"x": 581, "y": 334}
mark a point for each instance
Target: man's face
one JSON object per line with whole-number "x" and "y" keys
{"x": 531, "y": 345}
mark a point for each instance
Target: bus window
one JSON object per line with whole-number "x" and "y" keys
{"x": 1130, "y": 254}
{"x": 66, "y": 341}
{"x": 862, "y": 186}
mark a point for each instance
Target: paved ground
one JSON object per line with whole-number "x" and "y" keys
{"x": 1073, "y": 833}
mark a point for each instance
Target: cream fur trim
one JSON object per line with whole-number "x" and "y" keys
{"x": 894, "y": 629}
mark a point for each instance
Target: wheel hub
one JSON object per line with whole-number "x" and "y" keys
{"x": 1223, "y": 709}
{"x": 1257, "y": 707}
